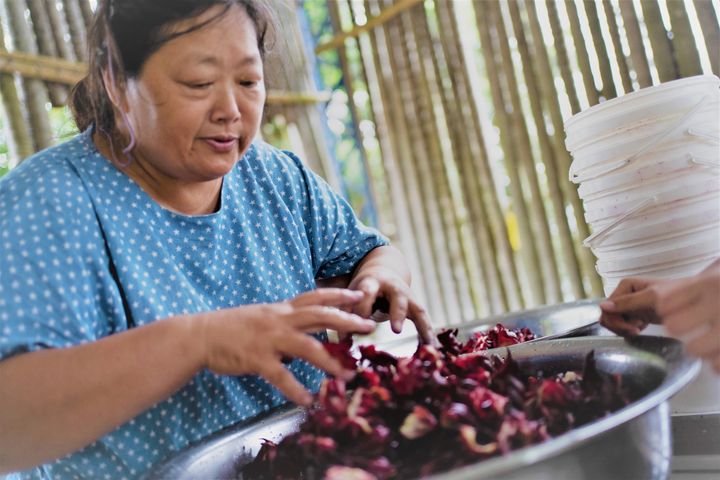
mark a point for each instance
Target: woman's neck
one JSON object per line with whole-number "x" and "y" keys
{"x": 185, "y": 197}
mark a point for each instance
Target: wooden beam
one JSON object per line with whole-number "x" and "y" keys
{"x": 373, "y": 22}
{"x": 42, "y": 67}
{"x": 57, "y": 70}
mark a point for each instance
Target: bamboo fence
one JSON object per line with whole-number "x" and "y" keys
{"x": 467, "y": 99}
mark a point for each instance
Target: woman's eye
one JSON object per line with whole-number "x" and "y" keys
{"x": 248, "y": 83}
{"x": 199, "y": 85}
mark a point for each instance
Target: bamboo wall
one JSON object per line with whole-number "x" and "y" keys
{"x": 469, "y": 99}
{"x": 467, "y": 103}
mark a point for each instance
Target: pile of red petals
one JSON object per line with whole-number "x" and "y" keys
{"x": 439, "y": 409}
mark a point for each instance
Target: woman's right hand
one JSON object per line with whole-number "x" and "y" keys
{"x": 253, "y": 339}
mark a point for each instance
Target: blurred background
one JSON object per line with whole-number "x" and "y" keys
{"x": 441, "y": 121}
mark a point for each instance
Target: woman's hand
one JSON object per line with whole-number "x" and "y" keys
{"x": 254, "y": 339}
{"x": 378, "y": 282}
{"x": 688, "y": 308}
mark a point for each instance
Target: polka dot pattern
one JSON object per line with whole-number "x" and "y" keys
{"x": 87, "y": 253}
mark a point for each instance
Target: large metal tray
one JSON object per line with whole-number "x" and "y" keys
{"x": 632, "y": 443}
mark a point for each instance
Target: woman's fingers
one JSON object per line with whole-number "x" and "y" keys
{"x": 370, "y": 286}
{"x": 330, "y": 297}
{"x": 314, "y": 319}
{"x": 421, "y": 319}
{"x": 398, "y": 310}
{"x": 275, "y": 373}
{"x": 306, "y": 347}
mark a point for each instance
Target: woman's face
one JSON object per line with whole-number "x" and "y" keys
{"x": 197, "y": 104}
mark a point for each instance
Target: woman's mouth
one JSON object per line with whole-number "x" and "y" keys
{"x": 221, "y": 144}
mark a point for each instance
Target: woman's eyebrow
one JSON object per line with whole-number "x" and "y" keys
{"x": 214, "y": 61}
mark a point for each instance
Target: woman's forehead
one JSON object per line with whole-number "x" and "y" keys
{"x": 234, "y": 30}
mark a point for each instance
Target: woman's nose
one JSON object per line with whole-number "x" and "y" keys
{"x": 226, "y": 108}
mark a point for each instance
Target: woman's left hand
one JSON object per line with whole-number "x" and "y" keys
{"x": 377, "y": 283}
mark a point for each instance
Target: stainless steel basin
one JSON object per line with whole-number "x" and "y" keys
{"x": 633, "y": 443}
{"x": 572, "y": 319}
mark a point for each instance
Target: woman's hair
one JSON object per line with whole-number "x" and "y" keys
{"x": 124, "y": 33}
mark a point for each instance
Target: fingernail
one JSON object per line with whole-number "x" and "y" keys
{"x": 347, "y": 375}
{"x": 306, "y": 400}
{"x": 607, "y": 304}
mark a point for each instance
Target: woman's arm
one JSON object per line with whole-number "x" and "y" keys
{"x": 54, "y": 402}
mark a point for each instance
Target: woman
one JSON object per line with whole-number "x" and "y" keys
{"x": 158, "y": 268}
{"x": 687, "y": 307}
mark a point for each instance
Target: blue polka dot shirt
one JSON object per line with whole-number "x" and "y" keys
{"x": 87, "y": 253}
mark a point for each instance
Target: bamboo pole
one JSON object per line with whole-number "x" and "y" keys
{"x": 513, "y": 294}
{"x": 35, "y": 93}
{"x": 539, "y": 218}
{"x": 396, "y": 200}
{"x": 661, "y": 46}
{"x": 399, "y": 139}
{"x": 608, "y": 89}
{"x": 76, "y": 25}
{"x": 711, "y": 31}
{"x": 460, "y": 116}
{"x": 348, "y": 82}
{"x": 486, "y": 22}
{"x": 289, "y": 70}
{"x": 432, "y": 160}
{"x": 467, "y": 222}
{"x": 87, "y": 12}
{"x": 417, "y": 164}
{"x": 563, "y": 60}
{"x": 582, "y": 53}
{"x": 686, "y": 53}
{"x": 550, "y": 97}
{"x": 638, "y": 55}
{"x": 617, "y": 46}
{"x": 383, "y": 17}
{"x": 20, "y": 143}
{"x": 58, "y": 28}
{"x": 534, "y": 95}
{"x": 46, "y": 46}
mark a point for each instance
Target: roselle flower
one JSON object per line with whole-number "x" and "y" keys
{"x": 487, "y": 404}
{"x": 552, "y": 392}
{"x": 469, "y": 441}
{"x": 340, "y": 472}
{"x": 454, "y": 415}
{"x": 332, "y": 395}
{"x": 418, "y": 423}
{"x": 316, "y": 445}
{"x": 439, "y": 409}
{"x": 376, "y": 357}
{"x": 341, "y": 352}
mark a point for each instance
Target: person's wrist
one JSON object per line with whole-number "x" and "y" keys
{"x": 193, "y": 333}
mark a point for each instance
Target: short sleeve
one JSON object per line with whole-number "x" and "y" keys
{"x": 338, "y": 239}
{"x": 49, "y": 273}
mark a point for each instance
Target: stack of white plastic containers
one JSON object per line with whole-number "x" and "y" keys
{"x": 648, "y": 165}
{"x": 648, "y": 169}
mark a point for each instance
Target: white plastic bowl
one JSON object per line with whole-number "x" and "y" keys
{"x": 667, "y": 98}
